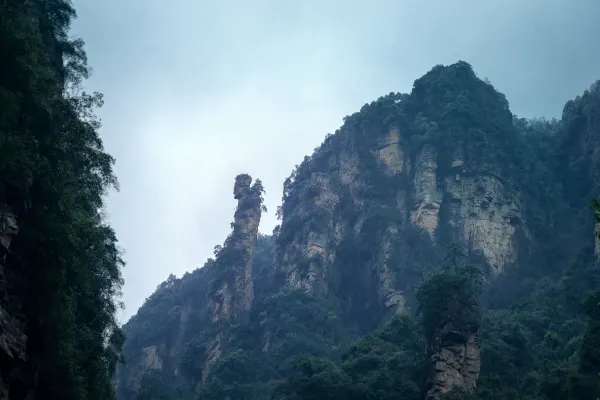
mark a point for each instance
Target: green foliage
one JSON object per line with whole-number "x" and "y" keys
{"x": 154, "y": 387}
{"x": 538, "y": 340}
{"x": 450, "y": 297}
{"x": 457, "y": 394}
{"x": 389, "y": 364}
{"x": 314, "y": 379}
{"x": 386, "y": 365}
{"x": 282, "y": 326}
{"x": 237, "y": 377}
{"x": 230, "y": 257}
{"x": 298, "y": 323}
{"x": 53, "y": 177}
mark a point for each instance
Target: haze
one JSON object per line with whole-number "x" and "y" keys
{"x": 197, "y": 92}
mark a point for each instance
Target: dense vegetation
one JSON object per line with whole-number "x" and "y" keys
{"x": 62, "y": 273}
{"x": 538, "y": 323}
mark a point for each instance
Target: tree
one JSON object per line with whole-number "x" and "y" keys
{"x": 315, "y": 379}
{"x": 450, "y": 296}
{"x": 54, "y": 173}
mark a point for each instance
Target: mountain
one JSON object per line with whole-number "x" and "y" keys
{"x": 436, "y": 242}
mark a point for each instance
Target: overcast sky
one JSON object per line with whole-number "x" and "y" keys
{"x": 197, "y": 92}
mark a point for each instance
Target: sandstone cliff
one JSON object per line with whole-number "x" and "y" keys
{"x": 391, "y": 172}
{"x": 205, "y": 302}
{"x": 234, "y": 289}
{"x": 365, "y": 219}
{"x": 456, "y": 363}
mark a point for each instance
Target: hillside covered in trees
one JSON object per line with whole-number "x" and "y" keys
{"x": 60, "y": 265}
{"x": 437, "y": 246}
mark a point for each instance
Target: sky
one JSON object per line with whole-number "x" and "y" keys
{"x": 198, "y": 91}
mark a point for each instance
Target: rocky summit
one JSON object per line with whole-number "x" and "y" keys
{"x": 435, "y": 245}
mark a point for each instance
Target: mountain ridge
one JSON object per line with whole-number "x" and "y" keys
{"x": 364, "y": 219}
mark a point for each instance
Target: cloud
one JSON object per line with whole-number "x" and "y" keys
{"x": 199, "y": 91}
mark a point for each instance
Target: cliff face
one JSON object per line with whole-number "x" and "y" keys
{"x": 234, "y": 294}
{"x": 577, "y": 153}
{"x": 154, "y": 344}
{"x": 364, "y": 221}
{"x": 214, "y": 297}
{"x": 14, "y": 382}
{"x": 456, "y": 363}
{"x": 401, "y": 165}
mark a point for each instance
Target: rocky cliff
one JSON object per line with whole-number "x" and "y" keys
{"x": 364, "y": 220}
{"x": 401, "y": 167}
{"x": 224, "y": 296}
{"x": 14, "y": 383}
{"x": 234, "y": 287}
{"x": 235, "y": 292}
{"x": 456, "y": 364}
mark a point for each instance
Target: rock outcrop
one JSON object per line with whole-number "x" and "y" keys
{"x": 235, "y": 291}
{"x": 14, "y": 384}
{"x": 234, "y": 295}
{"x": 366, "y": 218}
{"x": 199, "y": 305}
{"x": 455, "y": 361}
{"x": 374, "y": 181}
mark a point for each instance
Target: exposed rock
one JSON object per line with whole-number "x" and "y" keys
{"x": 427, "y": 171}
{"x": 226, "y": 301}
{"x": 486, "y": 217}
{"x": 390, "y": 153}
{"x": 160, "y": 347}
{"x": 148, "y": 358}
{"x": 456, "y": 362}
{"x": 392, "y": 298}
{"x": 234, "y": 296}
{"x": 214, "y": 354}
{"x": 13, "y": 341}
{"x": 434, "y": 189}
{"x": 306, "y": 259}
{"x": 232, "y": 300}
{"x": 427, "y": 199}
{"x": 8, "y": 226}
{"x": 241, "y": 186}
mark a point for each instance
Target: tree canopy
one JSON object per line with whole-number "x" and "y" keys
{"x": 65, "y": 265}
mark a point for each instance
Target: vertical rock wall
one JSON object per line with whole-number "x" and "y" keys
{"x": 232, "y": 300}
{"x": 431, "y": 187}
{"x": 13, "y": 341}
{"x": 456, "y": 361}
{"x": 234, "y": 296}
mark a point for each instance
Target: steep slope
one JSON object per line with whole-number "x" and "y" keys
{"x": 233, "y": 285}
{"x": 59, "y": 260}
{"x": 200, "y": 306}
{"x": 14, "y": 377}
{"x": 402, "y": 178}
{"x": 578, "y": 154}
{"x": 365, "y": 221}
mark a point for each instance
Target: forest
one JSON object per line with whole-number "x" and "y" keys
{"x": 61, "y": 275}
{"x": 437, "y": 246}
{"x": 319, "y": 327}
